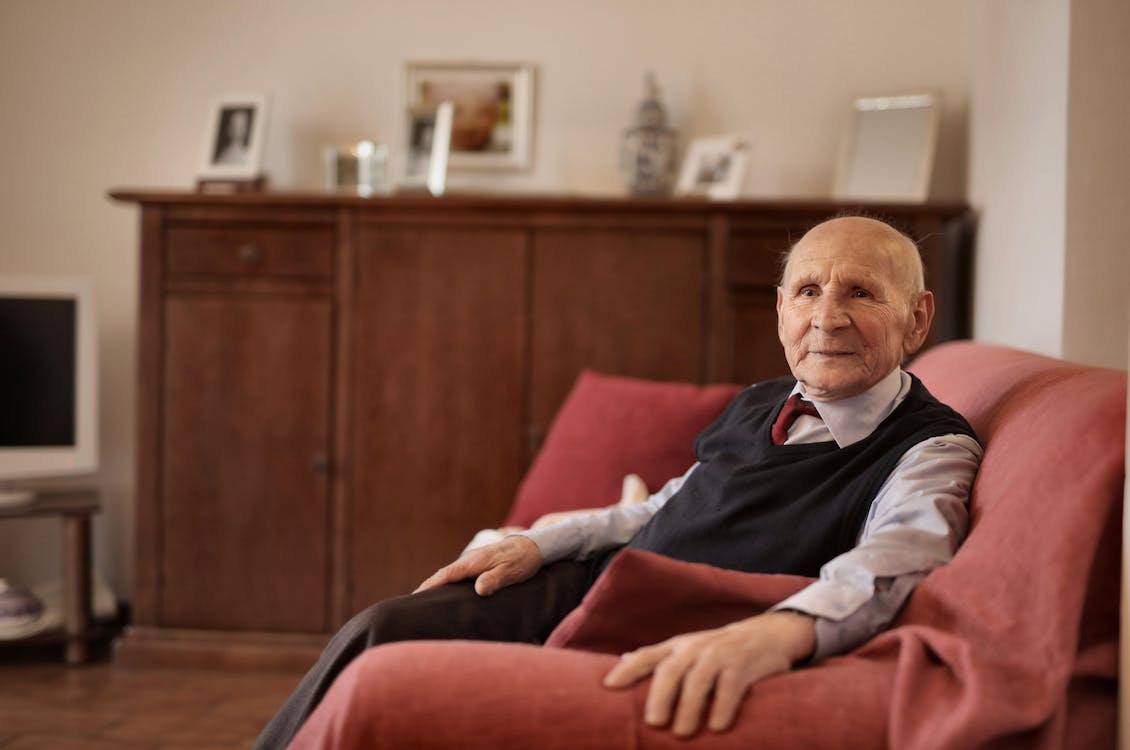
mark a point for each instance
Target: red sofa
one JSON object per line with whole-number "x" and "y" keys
{"x": 1013, "y": 645}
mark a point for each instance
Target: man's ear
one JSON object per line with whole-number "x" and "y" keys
{"x": 780, "y": 302}
{"x": 922, "y": 314}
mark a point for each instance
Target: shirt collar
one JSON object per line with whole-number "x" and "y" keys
{"x": 852, "y": 419}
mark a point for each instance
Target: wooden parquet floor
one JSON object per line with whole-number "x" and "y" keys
{"x": 48, "y": 706}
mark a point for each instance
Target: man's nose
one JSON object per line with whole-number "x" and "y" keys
{"x": 830, "y": 314}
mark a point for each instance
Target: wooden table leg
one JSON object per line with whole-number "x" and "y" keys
{"x": 76, "y": 585}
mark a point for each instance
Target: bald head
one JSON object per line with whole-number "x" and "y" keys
{"x": 861, "y": 232}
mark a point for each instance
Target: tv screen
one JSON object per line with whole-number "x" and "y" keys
{"x": 37, "y": 379}
{"x": 48, "y": 378}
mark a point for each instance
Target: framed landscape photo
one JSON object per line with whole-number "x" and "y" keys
{"x": 493, "y": 106}
{"x": 233, "y": 137}
{"x": 714, "y": 167}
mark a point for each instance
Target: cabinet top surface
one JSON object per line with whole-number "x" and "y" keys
{"x": 527, "y": 202}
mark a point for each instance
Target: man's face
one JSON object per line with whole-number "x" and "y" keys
{"x": 846, "y": 312}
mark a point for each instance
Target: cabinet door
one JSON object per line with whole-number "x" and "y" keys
{"x": 752, "y": 269}
{"x": 438, "y": 341}
{"x": 245, "y": 410}
{"x": 625, "y": 302}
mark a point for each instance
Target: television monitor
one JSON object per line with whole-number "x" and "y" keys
{"x": 48, "y": 382}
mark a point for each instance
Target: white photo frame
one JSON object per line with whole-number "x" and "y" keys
{"x": 888, "y": 150}
{"x": 427, "y": 147}
{"x": 714, "y": 167}
{"x": 233, "y": 142}
{"x": 493, "y": 117}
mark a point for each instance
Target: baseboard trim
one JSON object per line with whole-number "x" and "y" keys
{"x": 147, "y": 647}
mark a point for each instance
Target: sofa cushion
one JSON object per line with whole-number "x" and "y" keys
{"x": 610, "y": 426}
{"x": 643, "y": 598}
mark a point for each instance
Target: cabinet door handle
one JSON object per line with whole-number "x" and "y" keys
{"x": 321, "y": 466}
{"x": 250, "y": 254}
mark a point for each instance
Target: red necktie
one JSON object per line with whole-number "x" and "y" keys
{"x": 792, "y": 409}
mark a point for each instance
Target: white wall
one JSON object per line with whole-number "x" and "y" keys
{"x": 115, "y": 92}
{"x": 1097, "y": 273}
{"x": 1018, "y": 163}
{"x": 1049, "y": 146}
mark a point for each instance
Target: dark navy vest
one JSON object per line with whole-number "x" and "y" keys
{"x": 758, "y": 507}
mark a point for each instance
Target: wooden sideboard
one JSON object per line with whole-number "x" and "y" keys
{"x": 337, "y": 392}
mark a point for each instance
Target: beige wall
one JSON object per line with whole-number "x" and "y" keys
{"x": 1097, "y": 273}
{"x": 1018, "y": 163}
{"x": 1049, "y": 158}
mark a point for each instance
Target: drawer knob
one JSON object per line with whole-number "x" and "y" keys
{"x": 250, "y": 254}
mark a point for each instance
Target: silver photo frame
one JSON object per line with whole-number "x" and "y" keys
{"x": 888, "y": 153}
{"x": 426, "y": 148}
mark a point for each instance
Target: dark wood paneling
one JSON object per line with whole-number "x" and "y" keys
{"x": 148, "y": 530}
{"x": 624, "y": 303}
{"x": 246, "y": 426}
{"x": 439, "y": 335}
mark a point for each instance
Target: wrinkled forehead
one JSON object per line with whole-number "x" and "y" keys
{"x": 859, "y": 249}
{"x": 823, "y": 267}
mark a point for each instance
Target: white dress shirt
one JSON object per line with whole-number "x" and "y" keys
{"x": 915, "y": 524}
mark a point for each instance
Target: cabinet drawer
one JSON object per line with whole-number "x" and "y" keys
{"x": 251, "y": 251}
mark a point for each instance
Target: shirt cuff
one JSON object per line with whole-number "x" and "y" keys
{"x": 554, "y": 544}
{"x": 837, "y": 634}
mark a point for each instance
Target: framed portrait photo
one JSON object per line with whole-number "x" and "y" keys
{"x": 714, "y": 167}
{"x": 426, "y": 148}
{"x": 233, "y": 137}
{"x": 493, "y": 107}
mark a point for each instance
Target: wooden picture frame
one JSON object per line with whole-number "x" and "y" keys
{"x": 493, "y": 105}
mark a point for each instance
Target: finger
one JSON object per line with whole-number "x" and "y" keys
{"x": 430, "y": 582}
{"x": 459, "y": 570}
{"x": 729, "y": 691}
{"x": 635, "y": 665}
{"x": 666, "y": 684}
{"x": 490, "y": 581}
{"x": 694, "y": 692}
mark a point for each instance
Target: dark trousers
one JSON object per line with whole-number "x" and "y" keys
{"x": 524, "y": 613}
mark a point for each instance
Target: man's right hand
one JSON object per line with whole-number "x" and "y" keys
{"x": 512, "y": 560}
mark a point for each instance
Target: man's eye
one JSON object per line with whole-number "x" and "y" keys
{"x": 861, "y": 294}
{"x": 808, "y": 292}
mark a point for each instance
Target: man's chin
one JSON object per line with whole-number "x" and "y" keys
{"x": 824, "y": 385}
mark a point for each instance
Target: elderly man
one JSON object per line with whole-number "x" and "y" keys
{"x": 850, "y": 470}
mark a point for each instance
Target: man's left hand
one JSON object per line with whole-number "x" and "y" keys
{"x": 692, "y": 669}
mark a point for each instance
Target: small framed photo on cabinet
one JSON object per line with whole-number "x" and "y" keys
{"x": 233, "y": 137}
{"x": 714, "y": 167}
{"x": 428, "y": 143}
